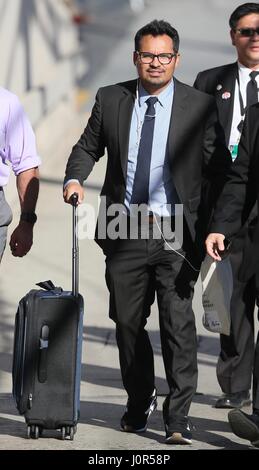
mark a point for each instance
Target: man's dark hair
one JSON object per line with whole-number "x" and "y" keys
{"x": 158, "y": 28}
{"x": 242, "y": 10}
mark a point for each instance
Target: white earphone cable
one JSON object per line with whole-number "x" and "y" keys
{"x": 182, "y": 256}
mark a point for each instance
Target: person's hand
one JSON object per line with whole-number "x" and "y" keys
{"x": 72, "y": 188}
{"x": 214, "y": 245}
{"x": 21, "y": 239}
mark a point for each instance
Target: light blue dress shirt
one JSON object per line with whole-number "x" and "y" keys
{"x": 162, "y": 194}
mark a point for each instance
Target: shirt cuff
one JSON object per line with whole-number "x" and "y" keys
{"x": 70, "y": 181}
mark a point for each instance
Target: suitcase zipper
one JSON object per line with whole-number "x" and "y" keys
{"x": 27, "y": 376}
{"x": 18, "y": 366}
{"x": 31, "y": 353}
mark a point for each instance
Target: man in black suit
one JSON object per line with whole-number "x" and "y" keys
{"x": 240, "y": 194}
{"x": 235, "y": 89}
{"x": 164, "y": 151}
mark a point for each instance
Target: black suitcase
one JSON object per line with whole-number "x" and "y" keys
{"x": 47, "y": 354}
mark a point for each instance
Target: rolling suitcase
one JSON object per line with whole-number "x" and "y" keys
{"x": 47, "y": 353}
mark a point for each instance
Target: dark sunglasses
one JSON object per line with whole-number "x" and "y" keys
{"x": 247, "y": 32}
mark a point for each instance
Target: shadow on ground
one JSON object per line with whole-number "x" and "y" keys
{"x": 107, "y": 416}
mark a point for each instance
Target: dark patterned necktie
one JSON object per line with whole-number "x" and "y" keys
{"x": 251, "y": 90}
{"x": 140, "y": 191}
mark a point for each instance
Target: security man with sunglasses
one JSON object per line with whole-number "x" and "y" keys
{"x": 235, "y": 87}
{"x": 164, "y": 149}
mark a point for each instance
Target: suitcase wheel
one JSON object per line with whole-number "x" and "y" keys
{"x": 63, "y": 433}
{"x": 68, "y": 431}
{"x": 71, "y": 434}
{"x": 33, "y": 432}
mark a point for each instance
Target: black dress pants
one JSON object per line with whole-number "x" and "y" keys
{"x": 235, "y": 363}
{"x": 256, "y": 376}
{"x": 129, "y": 271}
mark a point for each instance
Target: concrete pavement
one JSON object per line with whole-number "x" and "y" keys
{"x": 102, "y": 395}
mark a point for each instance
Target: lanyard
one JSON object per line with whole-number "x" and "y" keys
{"x": 233, "y": 147}
{"x": 242, "y": 107}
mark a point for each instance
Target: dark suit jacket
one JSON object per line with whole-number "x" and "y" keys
{"x": 216, "y": 82}
{"x": 198, "y": 158}
{"x": 240, "y": 194}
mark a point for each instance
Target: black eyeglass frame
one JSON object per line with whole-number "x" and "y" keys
{"x": 163, "y": 54}
{"x": 250, "y": 32}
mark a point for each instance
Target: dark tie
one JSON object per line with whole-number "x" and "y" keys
{"x": 251, "y": 90}
{"x": 140, "y": 191}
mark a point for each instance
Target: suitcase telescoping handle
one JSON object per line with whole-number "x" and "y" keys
{"x": 75, "y": 247}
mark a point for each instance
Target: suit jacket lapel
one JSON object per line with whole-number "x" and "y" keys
{"x": 176, "y": 135}
{"x": 225, "y": 102}
{"x": 124, "y": 120}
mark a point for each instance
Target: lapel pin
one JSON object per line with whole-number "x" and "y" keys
{"x": 226, "y": 95}
{"x": 219, "y": 87}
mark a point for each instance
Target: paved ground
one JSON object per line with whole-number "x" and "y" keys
{"x": 102, "y": 396}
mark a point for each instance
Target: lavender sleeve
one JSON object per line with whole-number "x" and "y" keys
{"x": 20, "y": 145}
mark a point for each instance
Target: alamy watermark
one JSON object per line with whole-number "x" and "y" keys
{"x": 137, "y": 222}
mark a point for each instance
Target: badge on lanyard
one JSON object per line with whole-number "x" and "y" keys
{"x": 234, "y": 151}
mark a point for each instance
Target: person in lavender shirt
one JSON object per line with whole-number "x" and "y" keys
{"x": 17, "y": 152}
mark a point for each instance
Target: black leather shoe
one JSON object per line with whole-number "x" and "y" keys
{"x": 234, "y": 400}
{"x": 245, "y": 426}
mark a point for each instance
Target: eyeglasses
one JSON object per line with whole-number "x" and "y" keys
{"x": 163, "y": 58}
{"x": 247, "y": 32}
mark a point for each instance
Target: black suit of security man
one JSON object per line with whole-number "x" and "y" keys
{"x": 235, "y": 362}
